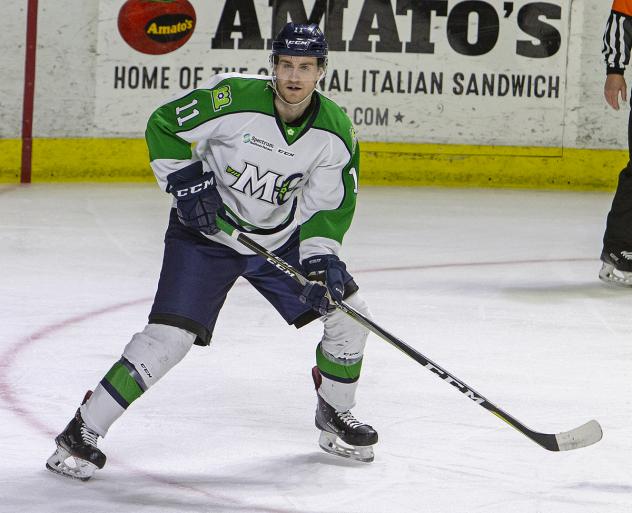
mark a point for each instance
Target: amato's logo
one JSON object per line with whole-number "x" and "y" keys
{"x": 169, "y": 27}
{"x": 156, "y": 26}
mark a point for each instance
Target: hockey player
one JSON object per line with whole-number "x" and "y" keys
{"x": 616, "y": 255}
{"x": 274, "y": 158}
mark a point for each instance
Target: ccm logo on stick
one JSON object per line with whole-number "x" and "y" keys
{"x": 455, "y": 383}
{"x": 280, "y": 267}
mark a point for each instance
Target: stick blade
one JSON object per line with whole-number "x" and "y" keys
{"x": 582, "y": 436}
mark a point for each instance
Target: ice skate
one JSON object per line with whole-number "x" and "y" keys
{"x": 611, "y": 275}
{"x": 77, "y": 455}
{"x": 341, "y": 433}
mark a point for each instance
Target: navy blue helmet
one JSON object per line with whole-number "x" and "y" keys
{"x": 302, "y": 40}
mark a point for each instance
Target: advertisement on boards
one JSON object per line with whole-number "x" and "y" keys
{"x": 468, "y": 72}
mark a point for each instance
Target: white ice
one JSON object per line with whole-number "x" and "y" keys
{"x": 498, "y": 286}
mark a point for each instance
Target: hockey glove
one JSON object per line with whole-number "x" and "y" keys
{"x": 330, "y": 270}
{"x": 197, "y": 199}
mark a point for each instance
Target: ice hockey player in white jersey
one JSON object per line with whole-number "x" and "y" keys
{"x": 278, "y": 160}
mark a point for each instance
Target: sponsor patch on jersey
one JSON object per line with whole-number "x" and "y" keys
{"x": 248, "y": 138}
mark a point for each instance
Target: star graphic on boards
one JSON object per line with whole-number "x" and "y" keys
{"x": 399, "y": 117}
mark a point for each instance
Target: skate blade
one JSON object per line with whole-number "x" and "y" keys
{"x": 58, "y": 463}
{"x": 330, "y": 443}
{"x": 608, "y": 276}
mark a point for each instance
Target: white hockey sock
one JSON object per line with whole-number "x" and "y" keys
{"x": 342, "y": 346}
{"x": 100, "y": 411}
{"x": 146, "y": 359}
{"x": 339, "y": 395}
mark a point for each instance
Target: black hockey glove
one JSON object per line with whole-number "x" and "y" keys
{"x": 197, "y": 197}
{"x": 331, "y": 271}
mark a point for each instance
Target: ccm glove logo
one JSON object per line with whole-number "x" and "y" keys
{"x": 190, "y": 180}
{"x": 197, "y": 199}
{"x": 194, "y": 189}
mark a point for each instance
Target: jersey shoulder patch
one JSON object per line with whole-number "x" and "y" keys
{"x": 237, "y": 93}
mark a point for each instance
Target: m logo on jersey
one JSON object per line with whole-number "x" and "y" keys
{"x": 270, "y": 187}
{"x": 221, "y": 97}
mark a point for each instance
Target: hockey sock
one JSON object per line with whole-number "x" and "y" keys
{"x": 339, "y": 379}
{"x": 339, "y": 355}
{"x": 147, "y": 357}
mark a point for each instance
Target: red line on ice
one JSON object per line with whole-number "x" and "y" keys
{"x": 9, "y": 356}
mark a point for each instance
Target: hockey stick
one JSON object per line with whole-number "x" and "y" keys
{"x": 582, "y": 436}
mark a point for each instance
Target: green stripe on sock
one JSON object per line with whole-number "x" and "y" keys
{"x": 337, "y": 370}
{"x": 120, "y": 378}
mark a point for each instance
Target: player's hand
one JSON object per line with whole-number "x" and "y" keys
{"x": 197, "y": 199}
{"x": 332, "y": 272}
{"x": 615, "y": 87}
{"x": 315, "y": 295}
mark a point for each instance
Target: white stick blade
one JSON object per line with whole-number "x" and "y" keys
{"x": 582, "y": 436}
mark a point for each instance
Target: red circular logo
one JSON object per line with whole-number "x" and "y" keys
{"x": 156, "y": 26}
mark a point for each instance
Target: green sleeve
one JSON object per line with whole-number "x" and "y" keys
{"x": 333, "y": 224}
{"x": 168, "y": 128}
{"x": 161, "y": 135}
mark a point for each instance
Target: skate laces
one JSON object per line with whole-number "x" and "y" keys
{"x": 348, "y": 418}
{"x": 88, "y": 436}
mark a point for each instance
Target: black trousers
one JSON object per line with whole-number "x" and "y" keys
{"x": 618, "y": 234}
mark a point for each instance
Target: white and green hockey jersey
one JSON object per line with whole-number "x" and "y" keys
{"x": 272, "y": 176}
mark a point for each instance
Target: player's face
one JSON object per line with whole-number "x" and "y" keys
{"x": 296, "y": 76}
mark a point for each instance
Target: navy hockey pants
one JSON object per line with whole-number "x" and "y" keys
{"x": 197, "y": 274}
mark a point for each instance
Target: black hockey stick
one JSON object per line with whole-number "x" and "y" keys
{"x": 582, "y": 436}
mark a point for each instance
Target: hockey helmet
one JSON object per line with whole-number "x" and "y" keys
{"x": 301, "y": 39}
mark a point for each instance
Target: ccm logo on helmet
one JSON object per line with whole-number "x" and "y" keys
{"x": 298, "y": 44}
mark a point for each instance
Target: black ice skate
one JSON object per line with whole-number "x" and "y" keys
{"x": 77, "y": 444}
{"x": 341, "y": 426}
{"x": 611, "y": 268}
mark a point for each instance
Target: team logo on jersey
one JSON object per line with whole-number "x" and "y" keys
{"x": 288, "y": 186}
{"x": 257, "y": 141}
{"x": 270, "y": 187}
{"x": 221, "y": 97}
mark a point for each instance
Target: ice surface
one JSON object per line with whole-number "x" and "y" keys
{"x": 499, "y": 287}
